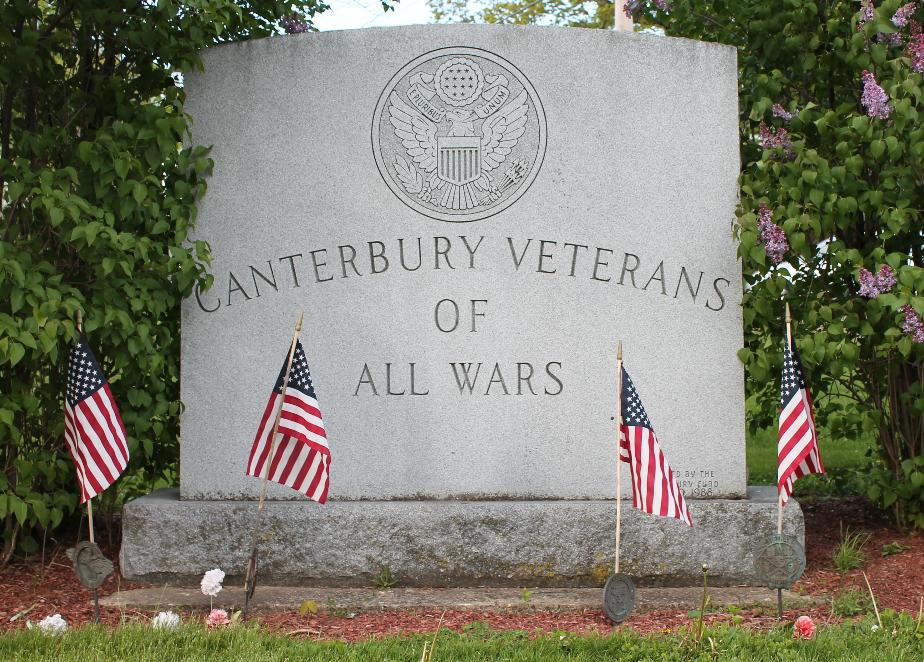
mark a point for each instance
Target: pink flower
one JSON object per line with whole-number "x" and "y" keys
{"x": 771, "y": 235}
{"x": 216, "y": 618}
{"x": 874, "y": 98}
{"x": 913, "y": 324}
{"x": 803, "y": 628}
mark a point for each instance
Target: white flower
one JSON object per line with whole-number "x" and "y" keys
{"x": 166, "y": 620}
{"x": 53, "y": 624}
{"x": 874, "y": 627}
{"x": 211, "y": 582}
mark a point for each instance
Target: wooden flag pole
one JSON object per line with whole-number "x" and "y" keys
{"x": 618, "y": 451}
{"x": 90, "y": 500}
{"x": 250, "y": 577}
{"x": 779, "y": 517}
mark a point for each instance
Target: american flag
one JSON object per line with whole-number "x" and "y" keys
{"x": 654, "y": 487}
{"x": 797, "y": 449}
{"x": 300, "y": 458}
{"x": 93, "y": 428}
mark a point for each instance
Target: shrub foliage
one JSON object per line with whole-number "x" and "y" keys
{"x": 97, "y": 200}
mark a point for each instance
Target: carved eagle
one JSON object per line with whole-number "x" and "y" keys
{"x": 421, "y": 138}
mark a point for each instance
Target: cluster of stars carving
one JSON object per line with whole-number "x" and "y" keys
{"x": 458, "y": 82}
{"x": 83, "y": 375}
{"x": 633, "y": 413}
{"x": 300, "y": 375}
{"x": 793, "y": 379}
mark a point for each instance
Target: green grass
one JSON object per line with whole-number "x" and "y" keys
{"x": 851, "y": 602}
{"x": 137, "y": 643}
{"x": 844, "y": 461}
{"x": 849, "y": 553}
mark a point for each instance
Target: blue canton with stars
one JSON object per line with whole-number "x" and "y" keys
{"x": 633, "y": 413}
{"x": 793, "y": 377}
{"x": 300, "y": 376}
{"x": 84, "y": 378}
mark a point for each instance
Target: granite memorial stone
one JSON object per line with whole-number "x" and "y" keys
{"x": 471, "y": 217}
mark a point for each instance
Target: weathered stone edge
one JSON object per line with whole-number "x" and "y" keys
{"x": 448, "y": 543}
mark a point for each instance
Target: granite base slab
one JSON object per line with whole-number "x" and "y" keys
{"x": 448, "y": 543}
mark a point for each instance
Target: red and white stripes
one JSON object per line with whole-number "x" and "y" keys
{"x": 95, "y": 436}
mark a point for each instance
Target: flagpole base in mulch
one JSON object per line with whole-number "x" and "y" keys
{"x": 449, "y": 542}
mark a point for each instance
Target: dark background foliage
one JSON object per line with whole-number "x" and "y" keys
{"x": 98, "y": 198}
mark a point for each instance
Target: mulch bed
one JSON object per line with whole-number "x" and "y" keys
{"x": 897, "y": 580}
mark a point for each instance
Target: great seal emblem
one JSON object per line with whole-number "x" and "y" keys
{"x": 459, "y": 134}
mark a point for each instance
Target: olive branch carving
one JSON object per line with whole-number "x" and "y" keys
{"x": 411, "y": 179}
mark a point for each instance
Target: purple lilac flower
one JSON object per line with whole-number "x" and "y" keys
{"x": 885, "y": 279}
{"x": 771, "y": 235}
{"x": 867, "y": 284}
{"x": 916, "y": 47}
{"x": 632, "y": 7}
{"x": 294, "y": 24}
{"x": 772, "y": 138}
{"x": 779, "y": 111}
{"x": 866, "y": 13}
{"x": 767, "y": 138}
{"x": 913, "y": 324}
{"x": 900, "y": 17}
{"x": 874, "y": 98}
{"x": 894, "y": 39}
{"x": 872, "y": 286}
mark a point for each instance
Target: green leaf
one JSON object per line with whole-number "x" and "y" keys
{"x": 121, "y": 167}
{"x": 877, "y": 148}
{"x": 18, "y": 507}
{"x": 139, "y": 192}
{"x": 16, "y": 352}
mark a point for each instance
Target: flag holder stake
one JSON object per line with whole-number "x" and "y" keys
{"x": 90, "y": 500}
{"x": 618, "y": 591}
{"x": 618, "y": 452}
{"x": 779, "y": 497}
{"x": 250, "y": 579}
{"x": 779, "y": 500}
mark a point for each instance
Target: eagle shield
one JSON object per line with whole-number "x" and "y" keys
{"x": 458, "y": 159}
